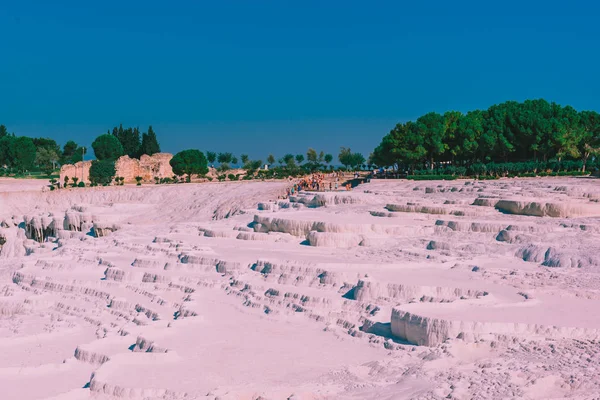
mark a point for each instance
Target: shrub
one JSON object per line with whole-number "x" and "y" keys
{"x": 210, "y": 178}
{"x": 156, "y": 180}
{"x": 221, "y": 178}
{"x": 102, "y": 172}
{"x": 138, "y": 179}
{"x": 224, "y": 167}
{"x": 478, "y": 169}
{"x": 461, "y": 171}
{"x": 232, "y": 177}
{"x": 81, "y": 184}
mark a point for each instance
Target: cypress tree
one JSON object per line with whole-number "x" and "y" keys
{"x": 3, "y": 131}
{"x": 149, "y": 143}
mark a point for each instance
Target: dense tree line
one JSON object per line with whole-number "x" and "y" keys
{"x": 22, "y": 153}
{"x": 194, "y": 162}
{"x": 510, "y": 132}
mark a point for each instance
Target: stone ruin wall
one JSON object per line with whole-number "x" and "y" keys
{"x": 80, "y": 170}
{"x": 147, "y": 167}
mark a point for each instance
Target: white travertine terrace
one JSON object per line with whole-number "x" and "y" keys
{"x": 396, "y": 289}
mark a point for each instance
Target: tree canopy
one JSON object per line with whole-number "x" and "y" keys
{"x": 189, "y": 162}
{"x": 22, "y": 152}
{"x": 135, "y": 144}
{"x": 107, "y": 147}
{"x": 350, "y": 159}
{"x": 47, "y": 159}
{"x": 225, "y": 158}
{"x": 129, "y": 139}
{"x": 149, "y": 143}
{"x": 72, "y": 153}
{"x": 211, "y": 156}
{"x": 102, "y": 172}
{"x": 507, "y": 132}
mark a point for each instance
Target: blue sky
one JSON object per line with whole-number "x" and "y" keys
{"x": 281, "y": 76}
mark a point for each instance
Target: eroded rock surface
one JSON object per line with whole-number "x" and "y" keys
{"x": 397, "y": 289}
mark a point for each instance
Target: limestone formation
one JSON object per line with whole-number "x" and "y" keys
{"x": 118, "y": 292}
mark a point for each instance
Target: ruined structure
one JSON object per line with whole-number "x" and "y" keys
{"x": 81, "y": 170}
{"x": 147, "y": 167}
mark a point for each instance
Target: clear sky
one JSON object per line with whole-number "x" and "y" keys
{"x": 281, "y": 76}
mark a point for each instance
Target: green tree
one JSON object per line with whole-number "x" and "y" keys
{"x": 225, "y": 158}
{"x": 102, "y": 172}
{"x": 299, "y": 158}
{"x": 328, "y": 158}
{"x": 350, "y": 159}
{"x": 234, "y": 160}
{"x": 271, "y": 159}
{"x": 533, "y": 129}
{"x": 590, "y": 136}
{"x": 211, "y": 156}
{"x": 567, "y": 131}
{"x": 72, "y": 153}
{"x": 252, "y": 166}
{"x": 311, "y": 156}
{"x": 432, "y": 128}
{"x": 289, "y": 161}
{"x": 68, "y": 151}
{"x": 345, "y": 156}
{"x": 79, "y": 153}
{"x": 402, "y": 147}
{"x": 149, "y": 143}
{"x": 453, "y": 134}
{"x": 46, "y": 143}
{"x": 47, "y": 159}
{"x": 129, "y": 139}
{"x": 357, "y": 160}
{"x": 23, "y": 152}
{"x": 107, "y": 147}
{"x": 471, "y": 130}
{"x": 3, "y": 131}
{"x": 5, "y": 151}
{"x": 189, "y": 162}
{"x": 244, "y": 158}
